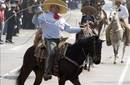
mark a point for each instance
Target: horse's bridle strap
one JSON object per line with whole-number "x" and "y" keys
{"x": 75, "y": 63}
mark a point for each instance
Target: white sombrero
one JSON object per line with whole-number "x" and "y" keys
{"x": 63, "y": 5}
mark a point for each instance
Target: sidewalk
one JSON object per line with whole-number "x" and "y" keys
{"x": 23, "y": 37}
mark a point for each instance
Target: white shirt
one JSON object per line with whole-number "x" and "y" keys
{"x": 52, "y": 28}
{"x": 123, "y": 13}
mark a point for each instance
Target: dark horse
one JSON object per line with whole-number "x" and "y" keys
{"x": 70, "y": 66}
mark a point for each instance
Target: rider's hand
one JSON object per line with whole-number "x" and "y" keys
{"x": 82, "y": 29}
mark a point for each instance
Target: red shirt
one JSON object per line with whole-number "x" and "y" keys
{"x": 2, "y": 16}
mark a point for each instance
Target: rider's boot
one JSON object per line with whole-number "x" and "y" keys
{"x": 48, "y": 67}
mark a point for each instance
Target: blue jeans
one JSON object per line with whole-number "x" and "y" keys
{"x": 51, "y": 45}
{"x": 1, "y": 29}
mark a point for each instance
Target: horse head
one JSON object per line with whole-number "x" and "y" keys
{"x": 113, "y": 16}
{"x": 114, "y": 21}
{"x": 88, "y": 30}
{"x": 92, "y": 46}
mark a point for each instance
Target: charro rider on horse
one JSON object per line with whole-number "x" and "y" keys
{"x": 88, "y": 22}
{"x": 123, "y": 16}
{"x": 51, "y": 25}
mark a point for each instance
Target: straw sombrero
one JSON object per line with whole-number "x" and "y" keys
{"x": 63, "y": 5}
{"x": 89, "y": 10}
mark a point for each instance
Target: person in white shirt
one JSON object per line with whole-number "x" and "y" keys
{"x": 123, "y": 16}
{"x": 124, "y": 2}
{"x": 52, "y": 24}
{"x": 38, "y": 11}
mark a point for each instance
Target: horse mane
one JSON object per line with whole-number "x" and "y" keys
{"x": 75, "y": 51}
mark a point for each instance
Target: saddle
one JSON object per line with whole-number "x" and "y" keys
{"x": 41, "y": 54}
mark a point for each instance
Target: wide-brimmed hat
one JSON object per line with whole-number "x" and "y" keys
{"x": 89, "y": 10}
{"x": 63, "y": 6}
{"x": 118, "y": 1}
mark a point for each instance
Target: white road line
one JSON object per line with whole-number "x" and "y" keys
{"x": 7, "y": 74}
{"x": 120, "y": 82}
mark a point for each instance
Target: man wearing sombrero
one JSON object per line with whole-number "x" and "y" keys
{"x": 123, "y": 16}
{"x": 52, "y": 24}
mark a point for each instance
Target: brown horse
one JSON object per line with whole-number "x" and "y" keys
{"x": 73, "y": 58}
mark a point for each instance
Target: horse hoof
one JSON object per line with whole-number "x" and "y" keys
{"x": 88, "y": 69}
{"x": 47, "y": 77}
{"x": 122, "y": 61}
{"x": 114, "y": 63}
{"x": 85, "y": 68}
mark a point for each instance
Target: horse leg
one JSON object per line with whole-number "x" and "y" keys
{"x": 116, "y": 49}
{"x": 123, "y": 53}
{"x": 61, "y": 81}
{"x": 39, "y": 74}
{"x": 24, "y": 73}
{"x": 89, "y": 63}
{"x": 86, "y": 64}
{"x": 115, "y": 55}
{"x": 76, "y": 81}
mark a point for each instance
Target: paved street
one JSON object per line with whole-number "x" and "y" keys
{"x": 11, "y": 57}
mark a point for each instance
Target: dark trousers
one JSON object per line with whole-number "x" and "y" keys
{"x": 51, "y": 45}
{"x": 9, "y": 35}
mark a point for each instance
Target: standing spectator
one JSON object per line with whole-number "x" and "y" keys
{"x": 2, "y": 18}
{"x": 18, "y": 19}
{"x": 11, "y": 16}
{"x": 19, "y": 16}
{"x": 38, "y": 11}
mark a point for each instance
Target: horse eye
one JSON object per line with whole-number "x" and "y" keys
{"x": 119, "y": 10}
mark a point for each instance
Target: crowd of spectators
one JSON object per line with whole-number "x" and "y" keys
{"x": 14, "y": 15}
